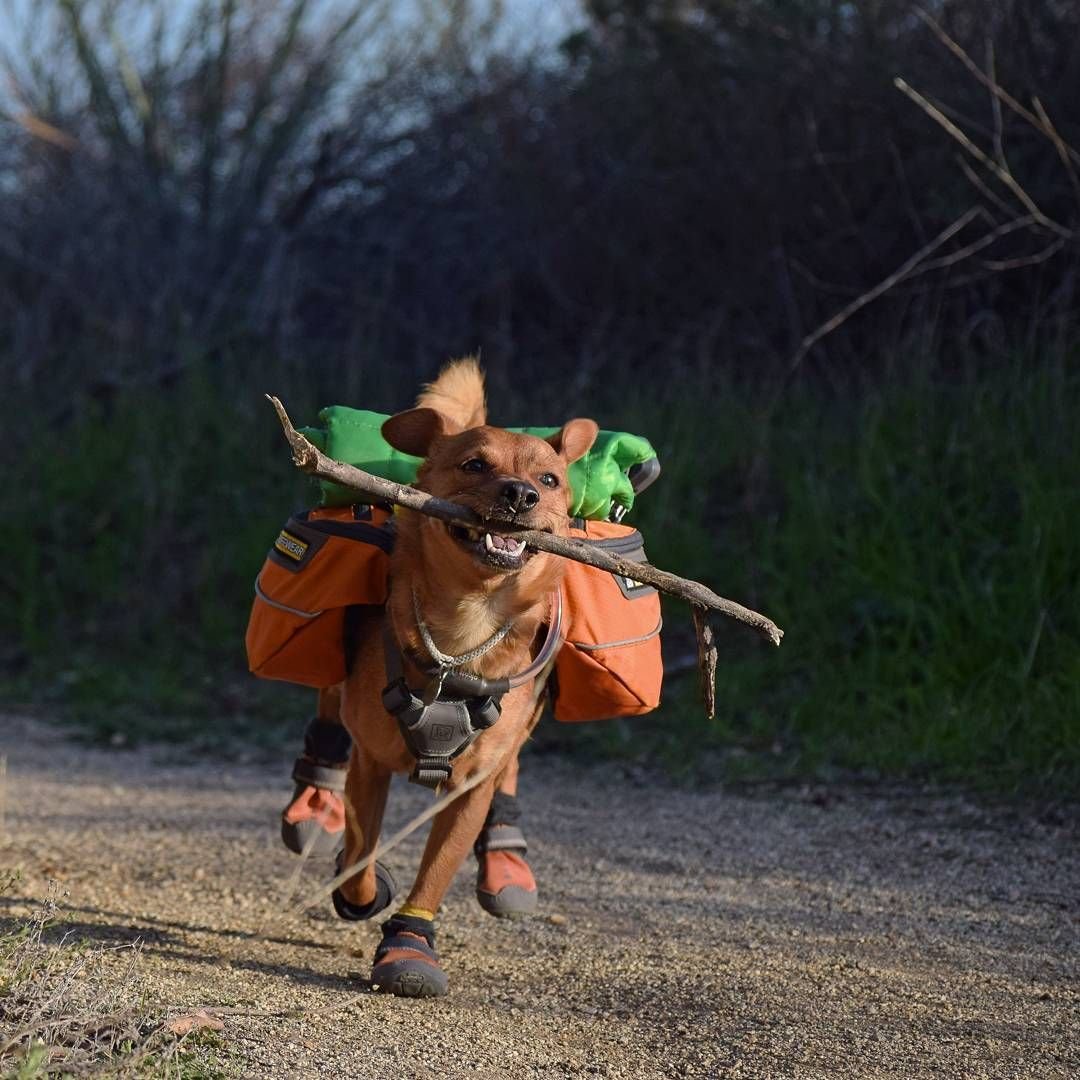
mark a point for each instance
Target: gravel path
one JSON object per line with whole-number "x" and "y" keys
{"x": 807, "y": 933}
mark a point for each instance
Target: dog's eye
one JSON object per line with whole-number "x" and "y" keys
{"x": 475, "y": 465}
{"x": 549, "y": 480}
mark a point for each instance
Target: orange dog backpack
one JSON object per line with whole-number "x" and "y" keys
{"x": 327, "y": 560}
{"x": 322, "y": 563}
{"x": 610, "y": 663}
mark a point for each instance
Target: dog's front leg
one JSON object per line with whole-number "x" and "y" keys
{"x": 505, "y": 886}
{"x": 452, "y": 836}
{"x": 406, "y": 962}
{"x": 366, "y": 789}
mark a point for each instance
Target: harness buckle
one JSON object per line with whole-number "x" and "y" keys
{"x": 430, "y": 772}
{"x": 484, "y": 712}
{"x": 396, "y": 697}
{"x": 434, "y": 688}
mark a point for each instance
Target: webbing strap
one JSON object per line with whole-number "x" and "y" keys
{"x": 501, "y": 838}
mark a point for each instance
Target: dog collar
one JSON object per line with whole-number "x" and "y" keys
{"x": 466, "y": 684}
{"x": 444, "y": 660}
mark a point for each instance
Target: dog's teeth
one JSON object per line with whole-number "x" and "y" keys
{"x": 506, "y": 546}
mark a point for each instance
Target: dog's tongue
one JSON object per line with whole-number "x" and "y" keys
{"x": 503, "y": 542}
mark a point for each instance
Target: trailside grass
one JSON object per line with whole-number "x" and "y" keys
{"x": 916, "y": 540}
{"x": 918, "y": 544}
{"x": 71, "y": 1007}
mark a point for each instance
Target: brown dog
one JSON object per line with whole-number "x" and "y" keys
{"x": 481, "y": 599}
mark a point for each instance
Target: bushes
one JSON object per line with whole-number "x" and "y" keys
{"x": 916, "y": 546}
{"x": 357, "y": 195}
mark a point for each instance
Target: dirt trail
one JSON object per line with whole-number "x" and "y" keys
{"x": 804, "y": 934}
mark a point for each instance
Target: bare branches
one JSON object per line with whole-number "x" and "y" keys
{"x": 1037, "y": 117}
{"x": 1034, "y": 220}
{"x": 42, "y": 129}
{"x": 966, "y": 252}
{"x": 989, "y": 81}
{"x": 1065, "y": 152}
{"x": 1021, "y": 261}
{"x": 905, "y": 270}
{"x": 1002, "y": 172}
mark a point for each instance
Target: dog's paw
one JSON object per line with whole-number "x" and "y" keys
{"x": 406, "y": 964}
{"x": 505, "y": 886}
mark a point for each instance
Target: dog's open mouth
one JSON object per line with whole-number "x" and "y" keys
{"x": 495, "y": 549}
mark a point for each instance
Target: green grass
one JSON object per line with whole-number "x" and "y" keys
{"x": 916, "y": 541}
{"x": 126, "y": 597}
{"x": 918, "y": 546}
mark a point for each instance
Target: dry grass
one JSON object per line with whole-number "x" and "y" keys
{"x": 73, "y": 1008}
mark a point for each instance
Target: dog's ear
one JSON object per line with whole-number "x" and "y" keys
{"x": 413, "y": 431}
{"x": 575, "y": 438}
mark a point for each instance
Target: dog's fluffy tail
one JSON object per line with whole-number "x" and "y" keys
{"x": 458, "y": 393}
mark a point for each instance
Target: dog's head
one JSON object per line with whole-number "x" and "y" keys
{"x": 506, "y": 478}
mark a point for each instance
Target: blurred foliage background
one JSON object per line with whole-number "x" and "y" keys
{"x": 644, "y": 216}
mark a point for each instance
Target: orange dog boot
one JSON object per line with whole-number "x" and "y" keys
{"x": 405, "y": 961}
{"x": 505, "y": 886}
{"x": 314, "y": 820}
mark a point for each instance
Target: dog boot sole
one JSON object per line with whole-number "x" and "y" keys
{"x": 409, "y": 977}
{"x": 296, "y": 836}
{"x": 505, "y": 886}
{"x": 512, "y": 902}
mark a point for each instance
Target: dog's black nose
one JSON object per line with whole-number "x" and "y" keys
{"x": 516, "y": 496}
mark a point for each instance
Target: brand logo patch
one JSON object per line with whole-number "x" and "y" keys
{"x": 631, "y": 588}
{"x": 291, "y": 546}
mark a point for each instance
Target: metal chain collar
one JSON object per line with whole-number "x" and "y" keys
{"x": 445, "y": 661}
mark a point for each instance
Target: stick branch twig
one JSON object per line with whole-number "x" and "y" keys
{"x": 902, "y": 272}
{"x": 310, "y": 459}
{"x": 1039, "y": 122}
{"x": 980, "y": 155}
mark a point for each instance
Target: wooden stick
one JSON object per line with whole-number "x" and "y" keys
{"x": 706, "y": 645}
{"x": 310, "y": 459}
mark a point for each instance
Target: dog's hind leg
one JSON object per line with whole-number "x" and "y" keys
{"x": 315, "y": 817}
{"x": 505, "y": 886}
{"x": 372, "y": 889}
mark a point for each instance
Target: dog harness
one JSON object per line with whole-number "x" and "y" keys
{"x": 456, "y": 706}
